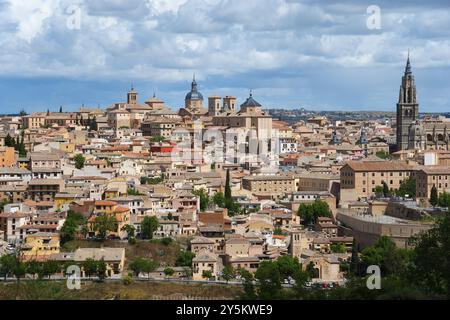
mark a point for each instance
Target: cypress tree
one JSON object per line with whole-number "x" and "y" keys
{"x": 354, "y": 264}
{"x": 9, "y": 141}
{"x": 434, "y": 196}
{"x": 227, "y": 186}
{"x": 385, "y": 189}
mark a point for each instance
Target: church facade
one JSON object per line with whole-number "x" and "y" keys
{"x": 429, "y": 134}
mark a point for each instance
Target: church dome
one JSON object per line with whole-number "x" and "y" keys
{"x": 194, "y": 94}
{"x": 250, "y": 102}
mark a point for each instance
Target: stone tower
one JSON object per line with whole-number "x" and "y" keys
{"x": 132, "y": 96}
{"x": 214, "y": 106}
{"x": 407, "y": 108}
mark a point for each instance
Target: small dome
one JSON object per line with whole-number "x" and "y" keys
{"x": 194, "y": 94}
{"x": 250, "y": 102}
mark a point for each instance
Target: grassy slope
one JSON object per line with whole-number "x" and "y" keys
{"x": 165, "y": 255}
{"x": 41, "y": 290}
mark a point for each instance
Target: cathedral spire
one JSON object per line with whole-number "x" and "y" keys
{"x": 408, "y": 66}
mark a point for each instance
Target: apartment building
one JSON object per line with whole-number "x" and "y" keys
{"x": 429, "y": 176}
{"x": 7, "y": 157}
{"x": 359, "y": 179}
{"x": 269, "y": 186}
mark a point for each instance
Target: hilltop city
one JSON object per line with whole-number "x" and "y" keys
{"x": 220, "y": 191}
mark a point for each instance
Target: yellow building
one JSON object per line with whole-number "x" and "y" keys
{"x": 114, "y": 259}
{"x": 62, "y": 199}
{"x": 7, "y": 157}
{"x": 40, "y": 245}
{"x": 110, "y": 208}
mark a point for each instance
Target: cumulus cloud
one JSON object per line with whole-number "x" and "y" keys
{"x": 227, "y": 43}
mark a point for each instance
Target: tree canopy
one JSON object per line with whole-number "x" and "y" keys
{"x": 310, "y": 212}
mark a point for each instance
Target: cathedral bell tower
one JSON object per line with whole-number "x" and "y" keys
{"x": 407, "y": 107}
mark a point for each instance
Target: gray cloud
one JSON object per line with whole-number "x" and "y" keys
{"x": 294, "y": 47}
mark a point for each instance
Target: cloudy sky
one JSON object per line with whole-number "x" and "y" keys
{"x": 312, "y": 53}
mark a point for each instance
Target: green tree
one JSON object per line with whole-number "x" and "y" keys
{"x": 207, "y": 274}
{"x": 310, "y": 212}
{"x": 101, "y": 269}
{"x": 3, "y": 203}
{"x": 169, "y": 272}
{"x": 133, "y": 192}
{"x": 288, "y": 266}
{"x": 249, "y": 288}
{"x": 407, "y": 188}
{"x": 203, "y": 197}
{"x": 311, "y": 270}
{"x": 383, "y": 155}
{"x": 89, "y": 267}
{"x": 103, "y": 224}
{"x": 34, "y": 268}
{"x": 93, "y": 125}
{"x": 434, "y": 196}
{"x": 9, "y": 141}
{"x": 227, "y": 186}
{"x": 219, "y": 199}
{"x": 20, "y": 145}
{"x": 386, "y": 191}
{"x": 20, "y": 269}
{"x": 269, "y": 281}
{"x": 129, "y": 229}
{"x": 149, "y": 266}
{"x": 7, "y": 265}
{"x": 444, "y": 199}
{"x": 431, "y": 259}
{"x": 79, "y": 161}
{"x": 74, "y": 222}
{"x": 60, "y": 109}
{"x": 386, "y": 255}
{"x": 354, "y": 261}
{"x": 148, "y": 226}
{"x": 50, "y": 267}
{"x": 278, "y": 231}
{"x": 137, "y": 266}
{"x": 378, "y": 191}
{"x": 152, "y": 181}
{"x": 338, "y": 248}
{"x": 228, "y": 273}
{"x": 157, "y": 139}
{"x": 184, "y": 259}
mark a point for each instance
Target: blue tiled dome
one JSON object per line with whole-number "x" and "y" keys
{"x": 194, "y": 94}
{"x": 250, "y": 102}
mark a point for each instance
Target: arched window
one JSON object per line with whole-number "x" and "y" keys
{"x": 440, "y": 137}
{"x": 429, "y": 137}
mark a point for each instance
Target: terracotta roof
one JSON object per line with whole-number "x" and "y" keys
{"x": 436, "y": 169}
{"x": 105, "y": 203}
{"x": 379, "y": 166}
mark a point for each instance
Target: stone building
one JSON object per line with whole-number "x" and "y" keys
{"x": 359, "y": 179}
{"x": 429, "y": 176}
{"x": 411, "y": 132}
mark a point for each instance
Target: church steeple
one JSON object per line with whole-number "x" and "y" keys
{"x": 408, "y": 66}
{"x": 407, "y": 107}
